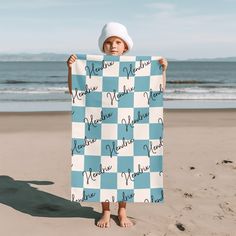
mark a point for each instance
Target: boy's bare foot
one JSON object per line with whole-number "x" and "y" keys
{"x": 124, "y": 220}
{"x": 105, "y": 219}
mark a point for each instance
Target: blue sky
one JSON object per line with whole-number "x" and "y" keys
{"x": 174, "y": 29}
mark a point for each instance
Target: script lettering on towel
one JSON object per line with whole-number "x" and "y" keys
{"x": 113, "y": 199}
{"x": 125, "y": 91}
{"x": 116, "y": 95}
{"x": 93, "y": 70}
{"x": 131, "y": 71}
{"x": 127, "y": 197}
{"x": 155, "y": 200}
{"x": 128, "y": 176}
{"x": 160, "y": 120}
{"x": 84, "y": 198}
{"x": 115, "y": 148}
{"x": 131, "y": 124}
{"x": 93, "y": 175}
{"x": 87, "y": 142}
{"x": 81, "y": 94}
{"x": 152, "y": 148}
{"x": 153, "y": 95}
{"x": 94, "y": 122}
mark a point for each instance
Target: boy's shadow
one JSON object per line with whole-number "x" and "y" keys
{"x": 25, "y": 198}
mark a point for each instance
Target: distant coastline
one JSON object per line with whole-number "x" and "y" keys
{"x": 41, "y": 57}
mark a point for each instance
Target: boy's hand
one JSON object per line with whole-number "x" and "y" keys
{"x": 164, "y": 63}
{"x": 71, "y": 60}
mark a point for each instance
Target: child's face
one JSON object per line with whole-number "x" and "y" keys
{"x": 114, "y": 46}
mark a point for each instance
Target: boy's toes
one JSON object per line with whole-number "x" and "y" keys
{"x": 103, "y": 224}
{"x": 125, "y": 221}
{"x": 100, "y": 224}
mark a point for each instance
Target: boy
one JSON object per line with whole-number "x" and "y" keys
{"x": 114, "y": 40}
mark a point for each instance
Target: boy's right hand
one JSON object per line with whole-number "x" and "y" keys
{"x": 71, "y": 60}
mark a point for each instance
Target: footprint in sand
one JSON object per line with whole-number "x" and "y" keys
{"x": 178, "y": 190}
{"x": 218, "y": 217}
{"x": 188, "y": 195}
{"x": 180, "y": 226}
{"x": 213, "y": 176}
{"x": 174, "y": 229}
{"x": 226, "y": 209}
{"x": 188, "y": 207}
{"x": 227, "y": 163}
{"x": 149, "y": 234}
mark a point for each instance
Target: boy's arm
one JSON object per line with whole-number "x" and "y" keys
{"x": 70, "y": 80}
{"x": 164, "y": 64}
{"x": 164, "y": 80}
{"x": 69, "y": 62}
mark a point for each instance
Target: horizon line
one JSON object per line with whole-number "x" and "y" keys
{"x": 65, "y": 54}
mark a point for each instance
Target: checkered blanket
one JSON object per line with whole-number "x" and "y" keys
{"x": 117, "y": 129}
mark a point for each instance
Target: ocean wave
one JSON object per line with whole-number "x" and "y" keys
{"x": 56, "y": 76}
{"x": 192, "y": 82}
{"x": 35, "y": 100}
{"x": 31, "y": 82}
{"x": 34, "y": 90}
{"x": 199, "y": 97}
{"x": 189, "y": 93}
{"x": 198, "y": 90}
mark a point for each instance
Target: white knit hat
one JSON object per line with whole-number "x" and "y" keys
{"x": 114, "y": 29}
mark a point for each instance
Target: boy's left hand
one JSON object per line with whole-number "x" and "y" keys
{"x": 164, "y": 63}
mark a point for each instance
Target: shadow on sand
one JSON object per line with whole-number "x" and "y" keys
{"x": 21, "y": 196}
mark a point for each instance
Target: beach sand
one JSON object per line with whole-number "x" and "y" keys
{"x": 199, "y": 178}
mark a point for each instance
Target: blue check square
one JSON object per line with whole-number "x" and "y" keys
{"x": 109, "y": 84}
{"x": 109, "y": 181}
{"x": 93, "y": 131}
{"x": 94, "y": 99}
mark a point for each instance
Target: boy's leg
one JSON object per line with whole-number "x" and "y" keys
{"x": 105, "y": 219}
{"x": 124, "y": 221}
{"x": 105, "y": 206}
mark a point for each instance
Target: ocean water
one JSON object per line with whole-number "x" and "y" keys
{"x": 34, "y": 86}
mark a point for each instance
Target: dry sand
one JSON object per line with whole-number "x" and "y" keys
{"x": 199, "y": 178}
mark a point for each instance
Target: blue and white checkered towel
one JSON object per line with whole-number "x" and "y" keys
{"x": 117, "y": 129}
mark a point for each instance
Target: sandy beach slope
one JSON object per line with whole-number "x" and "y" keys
{"x": 199, "y": 178}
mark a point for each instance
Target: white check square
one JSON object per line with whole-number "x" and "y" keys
{"x": 155, "y": 82}
{"x": 142, "y": 68}
{"x": 155, "y": 115}
{"x": 126, "y": 84}
{"x": 125, "y": 147}
{"x": 142, "y": 164}
{"x": 109, "y": 163}
{"x": 93, "y": 148}
{"x": 109, "y": 99}
{"x": 92, "y": 114}
{"x": 94, "y": 84}
{"x": 108, "y": 195}
{"x": 111, "y": 69}
{"x": 141, "y": 99}
{"x": 124, "y": 181}
{"x": 77, "y": 163}
{"x": 142, "y": 195}
{"x": 109, "y": 131}
{"x": 78, "y": 130}
{"x": 141, "y": 131}
{"x": 125, "y": 115}
{"x": 78, "y": 67}
{"x": 91, "y": 182}
{"x": 156, "y": 180}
